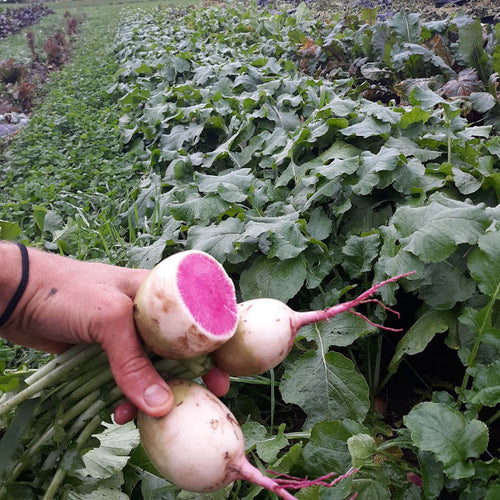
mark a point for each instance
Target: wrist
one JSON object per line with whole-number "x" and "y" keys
{"x": 13, "y": 280}
{"x": 10, "y": 276}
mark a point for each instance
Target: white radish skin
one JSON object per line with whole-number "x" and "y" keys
{"x": 267, "y": 329}
{"x": 186, "y": 306}
{"x": 199, "y": 445}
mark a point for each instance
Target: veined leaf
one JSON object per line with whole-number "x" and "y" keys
{"x": 231, "y": 186}
{"x": 360, "y": 252}
{"x": 484, "y": 264}
{"x": 471, "y": 51}
{"x": 110, "y": 457}
{"x": 438, "y": 428}
{"x": 416, "y": 339}
{"x": 326, "y": 386}
{"x": 486, "y": 387}
{"x": 407, "y": 26}
{"x": 432, "y": 232}
{"x": 367, "y": 127}
{"x": 199, "y": 209}
{"x": 273, "y": 278}
{"x": 287, "y": 240}
{"x": 218, "y": 240}
{"x": 327, "y": 449}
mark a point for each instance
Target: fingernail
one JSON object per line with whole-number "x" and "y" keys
{"x": 156, "y": 395}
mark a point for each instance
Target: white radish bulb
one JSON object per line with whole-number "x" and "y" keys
{"x": 267, "y": 329}
{"x": 199, "y": 445}
{"x": 186, "y": 306}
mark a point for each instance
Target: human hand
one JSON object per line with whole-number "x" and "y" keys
{"x": 70, "y": 302}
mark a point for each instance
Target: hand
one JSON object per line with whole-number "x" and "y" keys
{"x": 71, "y": 302}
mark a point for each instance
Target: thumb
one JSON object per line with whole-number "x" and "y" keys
{"x": 136, "y": 376}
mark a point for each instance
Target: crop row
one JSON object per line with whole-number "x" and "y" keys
{"x": 13, "y": 20}
{"x": 277, "y": 144}
{"x": 303, "y": 186}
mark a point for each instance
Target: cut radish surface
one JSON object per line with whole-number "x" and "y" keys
{"x": 186, "y": 306}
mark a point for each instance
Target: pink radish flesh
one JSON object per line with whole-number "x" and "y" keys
{"x": 207, "y": 293}
{"x": 267, "y": 329}
{"x": 186, "y": 306}
{"x": 199, "y": 445}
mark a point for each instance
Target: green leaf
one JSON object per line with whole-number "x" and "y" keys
{"x": 406, "y": 26}
{"x": 482, "y": 101}
{"x": 444, "y": 431}
{"x": 219, "y": 240}
{"x": 269, "y": 448}
{"x": 367, "y": 127}
{"x": 326, "y": 386}
{"x": 327, "y": 449}
{"x": 471, "y": 51}
{"x": 9, "y": 230}
{"x": 112, "y": 454}
{"x": 12, "y": 438}
{"x": 232, "y": 186}
{"x": 385, "y": 160}
{"x": 371, "y": 489}
{"x": 199, "y": 209}
{"x": 432, "y": 232}
{"x": 360, "y": 252}
{"x": 416, "y": 339}
{"x": 484, "y": 264}
{"x": 432, "y": 474}
{"x": 278, "y": 279}
{"x": 361, "y": 447}
{"x": 486, "y": 386}
{"x": 253, "y": 433}
{"x": 284, "y": 233}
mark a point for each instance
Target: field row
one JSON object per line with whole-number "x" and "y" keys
{"x": 311, "y": 160}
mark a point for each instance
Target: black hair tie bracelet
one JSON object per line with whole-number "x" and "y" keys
{"x": 20, "y": 289}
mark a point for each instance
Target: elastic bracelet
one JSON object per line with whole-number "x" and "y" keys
{"x": 21, "y": 288}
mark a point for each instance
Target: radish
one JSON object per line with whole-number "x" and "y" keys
{"x": 267, "y": 329}
{"x": 186, "y": 306}
{"x": 199, "y": 445}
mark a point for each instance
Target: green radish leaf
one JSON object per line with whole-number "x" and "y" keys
{"x": 367, "y": 127}
{"x": 431, "y": 471}
{"x": 362, "y": 447}
{"x": 371, "y": 489}
{"x": 232, "y": 187}
{"x": 268, "y": 448}
{"x": 199, "y": 209}
{"x": 444, "y": 431}
{"x": 326, "y": 386}
{"x": 253, "y": 433}
{"x": 340, "y": 331}
{"x": 406, "y": 26}
{"x": 9, "y": 230}
{"x": 432, "y": 232}
{"x": 13, "y": 435}
{"x": 219, "y": 240}
{"x": 486, "y": 386}
{"x": 280, "y": 280}
{"x": 116, "y": 442}
{"x": 416, "y": 339}
{"x": 471, "y": 51}
{"x": 482, "y": 101}
{"x": 327, "y": 449}
{"x": 284, "y": 233}
{"x": 484, "y": 264}
{"x": 360, "y": 252}
{"x": 479, "y": 338}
